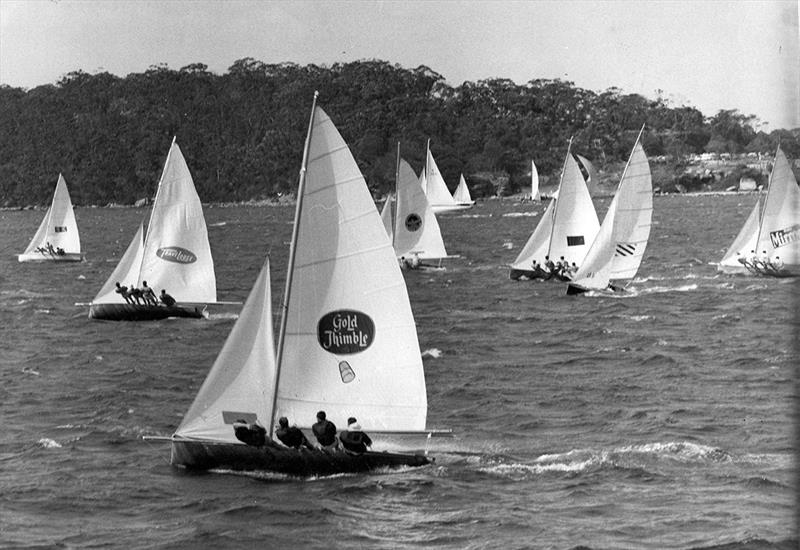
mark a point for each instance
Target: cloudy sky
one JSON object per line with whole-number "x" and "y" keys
{"x": 711, "y": 54}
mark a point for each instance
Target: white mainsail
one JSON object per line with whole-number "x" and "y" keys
{"x": 779, "y": 234}
{"x": 535, "y": 194}
{"x": 241, "y": 382}
{"x": 349, "y": 342}
{"x": 58, "y": 228}
{"x": 175, "y": 253}
{"x": 575, "y": 222}
{"x": 616, "y": 253}
{"x": 744, "y": 245}
{"x": 416, "y": 230}
{"x": 461, "y": 194}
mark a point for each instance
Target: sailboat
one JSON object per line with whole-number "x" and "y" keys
{"x": 347, "y": 342}
{"x": 173, "y": 255}
{"x": 57, "y": 238}
{"x": 461, "y": 194}
{"x": 744, "y": 245}
{"x": 416, "y": 238}
{"x": 436, "y": 189}
{"x": 568, "y": 226}
{"x": 617, "y": 250}
{"x": 777, "y": 248}
{"x": 535, "y": 194}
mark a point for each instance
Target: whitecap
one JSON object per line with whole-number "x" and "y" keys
{"x": 432, "y": 353}
{"x": 47, "y": 443}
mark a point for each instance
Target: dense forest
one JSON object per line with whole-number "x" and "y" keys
{"x": 242, "y": 132}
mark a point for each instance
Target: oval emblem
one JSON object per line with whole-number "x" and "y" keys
{"x": 413, "y": 222}
{"x": 176, "y": 254}
{"x": 345, "y": 331}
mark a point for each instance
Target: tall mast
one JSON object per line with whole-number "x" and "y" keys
{"x": 292, "y": 254}
{"x": 155, "y": 202}
{"x": 396, "y": 191}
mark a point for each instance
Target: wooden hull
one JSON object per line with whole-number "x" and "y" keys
{"x": 133, "y": 312}
{"x": 207, "y": 455}
{"x": 44, "y": 258}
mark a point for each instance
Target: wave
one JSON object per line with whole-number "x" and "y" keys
{"x": 47, "y": 443}
{"x": 433, "y": 353}
{"x": 520, "y": 215}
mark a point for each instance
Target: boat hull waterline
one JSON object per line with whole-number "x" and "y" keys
{"x": 43, "y": 258}
{"x": 136, "y": 312}
{"x": 208, "y": 455}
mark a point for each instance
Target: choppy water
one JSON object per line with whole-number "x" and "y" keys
{"x": 663, "y": 419}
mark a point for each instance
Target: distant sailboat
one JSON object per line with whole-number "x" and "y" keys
{"x": 174, "y": 254}
{"x": 347, "y": 342}
{"x": 461, "y": 194}
{"x": 777, "y": 249}
{"x": 436, "y": 189}
{"x": 417, "y": 238}
{"x": 744, "y": 245}
{"x": 535, "y": 194}
{"x": 566, "y": 229}
{"x": 57, "y": 238}
{"x": 616, "y": 253}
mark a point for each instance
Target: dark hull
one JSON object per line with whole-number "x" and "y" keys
{"x": 202, "y": 455}
{"x": 133, "y": 312}
{"x": 41, "y": 258}
{"x": 573, "y": 289}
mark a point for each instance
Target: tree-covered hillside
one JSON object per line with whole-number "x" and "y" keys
{"x": 242, "y": 132}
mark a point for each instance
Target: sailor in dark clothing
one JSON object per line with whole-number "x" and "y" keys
{"x": 325, "y": 431}
{"x": 253, "y": 434}
{"x": 137, "y": 295}
{"x": 291, "y": 436}
{"x": 353, "y": 439}
{"x": 123, "y": 291}
{"x": 168, "y": 300}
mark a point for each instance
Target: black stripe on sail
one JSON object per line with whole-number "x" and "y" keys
{"x": 625, "y": 249}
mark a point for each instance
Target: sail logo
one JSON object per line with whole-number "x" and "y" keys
{"x": 577, "y": 240}
{"x": 413, "y": 222}
{"x": 176, "y": 255}
{"x": 345, "y": 331}
{"x": 782, "y": 237}
{"x": 61, "y": 229}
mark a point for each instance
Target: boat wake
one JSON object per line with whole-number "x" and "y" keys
{"x": 520, "y": 215}
{"x": 433, "y": 353}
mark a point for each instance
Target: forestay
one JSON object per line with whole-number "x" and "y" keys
{"x": 744, "y": 245}
{"x": 126, "y": 272}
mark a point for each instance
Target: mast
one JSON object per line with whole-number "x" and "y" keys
{"x": 396, "y": 193}
{"x": 292, "y": 254}
{"x": 555, "y": 210}
{"x": 766, "y": 200}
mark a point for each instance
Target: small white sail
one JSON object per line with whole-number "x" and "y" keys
{"x": 616, "y": 253}
{"x": 386, "y": 215}
{"x": 744, "y": 245}
{"x": 436, "y": 189}
{"x": 575, "y": 222}
{"x": 416, "y": 230}
{"x": 461, "y": 194}
{"x": 126, "y": 273}
{"x": 592, "y": 177}
{"x": 57, "y": 236}
{"x": 177, "y": 255}
{"x": 779, "y": 235}
{"x": 349, "y": 341}
{"x": 536, "y": 247}
{"x": 241, "y": 382}
{"x": 535, "y": 194}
